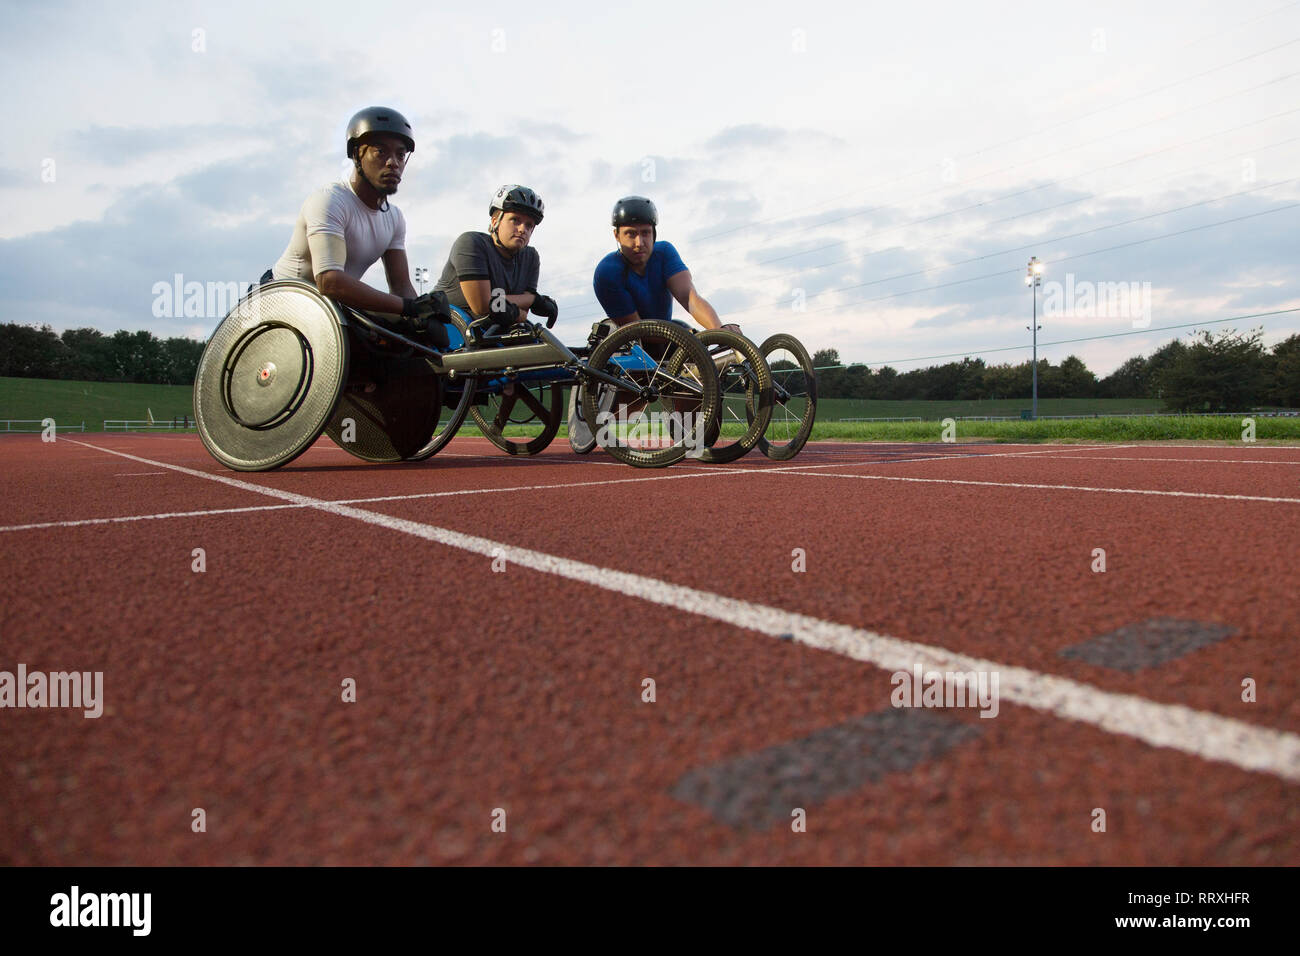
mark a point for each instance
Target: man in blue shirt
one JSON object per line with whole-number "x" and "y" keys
{"x": 639, "y": 280}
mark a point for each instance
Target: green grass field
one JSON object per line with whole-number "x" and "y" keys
{"x": 71, "y": 403}
{"x": 833, "y": 409}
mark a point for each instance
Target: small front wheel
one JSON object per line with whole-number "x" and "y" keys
{"x": 794, "y": 398}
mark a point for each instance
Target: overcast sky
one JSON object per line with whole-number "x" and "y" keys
{"x": 835, "y": 170}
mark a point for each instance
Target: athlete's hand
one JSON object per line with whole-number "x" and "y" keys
{"x": 731, "y": 327}
{"x": 420, "y": 309}
{"x": 545, "y": 306}
{"x": 508, "y": 314}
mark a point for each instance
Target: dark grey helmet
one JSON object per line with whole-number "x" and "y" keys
{"x": 378, "y": 119}
{"x": 631, "y": 210}
{"x": 515, "y": 198}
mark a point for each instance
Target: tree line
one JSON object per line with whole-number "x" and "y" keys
{"x": 28, "y": 351}
{"x": 1227, "y": 372}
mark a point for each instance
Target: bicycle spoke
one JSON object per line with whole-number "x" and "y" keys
{"x": 503, "y": 412}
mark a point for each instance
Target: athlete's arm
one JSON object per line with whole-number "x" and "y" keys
{"x": 683, "y": 290}
{"x": 337, "y": 284}
{"x": 398, "y": 272}
{"x": 478, "y": 294}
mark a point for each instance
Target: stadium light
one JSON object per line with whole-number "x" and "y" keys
{"x": 1033, "y": 279}
{"x": 421, "y": 277}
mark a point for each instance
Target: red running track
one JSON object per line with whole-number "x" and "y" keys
{"x": 521, "y": 689}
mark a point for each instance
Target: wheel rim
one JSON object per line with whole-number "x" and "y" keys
{"x": 270, "y": 377}
{"x": 667, "y": 402}
{"x": 521, "y": 404}
{"x": 791, "y": 404}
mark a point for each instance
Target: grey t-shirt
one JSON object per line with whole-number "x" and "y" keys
{"x": 474, "y": 256}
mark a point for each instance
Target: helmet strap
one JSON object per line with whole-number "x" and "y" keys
{"x": 383, "y": 196}
{"x": 494, "y": 233}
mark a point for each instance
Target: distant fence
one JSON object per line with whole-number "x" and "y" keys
{"x": 38, "y": 425}
{"x": 1016, "y": 418}
{"x": 129, "y": 425}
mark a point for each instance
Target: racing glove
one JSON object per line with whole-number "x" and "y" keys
{"x": 420, "y": 309}
{"x": 545, "y": 306}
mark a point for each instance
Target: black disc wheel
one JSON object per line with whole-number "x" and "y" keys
{"x": 389, "y": 405}
{"x": 270, "y": 376}
{"x": 665, "y": 405}
{"x": 457, "y": 396}
{"x": 794, "y": 397}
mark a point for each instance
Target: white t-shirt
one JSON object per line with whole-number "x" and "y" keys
{"x": 335, "y": 210}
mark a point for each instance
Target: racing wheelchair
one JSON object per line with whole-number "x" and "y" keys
{"x": 288, "y": 364}
{"x": 773, "y": 408}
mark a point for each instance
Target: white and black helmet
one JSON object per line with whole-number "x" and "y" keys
{"x": 515, "y": 198}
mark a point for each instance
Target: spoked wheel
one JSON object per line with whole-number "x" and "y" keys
{"x": 270, "y": 376}
{"x": 521, "y": 403}
{"x": 457, "y": 396}
{"x": 794, "y": 397}
{"x": 745, "y": 383}
{"x": 666, "y": 405}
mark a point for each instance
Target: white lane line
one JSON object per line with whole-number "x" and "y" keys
{"x": 79, "y": 522}
{"x": 718, "y": 473}
{"x": 1211, "y": 461}
{"x": 1021, "y": 484}
{"x": 1201, "y": 734}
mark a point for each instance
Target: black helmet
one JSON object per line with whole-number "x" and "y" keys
{"x": 631, "y": 210}
{"x": 379, "y": 119}
{"x": 515, "y": 198}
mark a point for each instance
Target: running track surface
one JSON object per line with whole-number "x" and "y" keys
{"x": 517, "y": 694}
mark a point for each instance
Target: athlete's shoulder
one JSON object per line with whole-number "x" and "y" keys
{"x": 667, "y": 260}
{"x": 610, "y": 268}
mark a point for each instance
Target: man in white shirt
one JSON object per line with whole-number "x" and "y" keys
{"x": 347, "y": 226}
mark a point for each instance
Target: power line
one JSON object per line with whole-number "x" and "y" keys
{"x": 1039, "y": 242}
{"x": 1086, "y": 338}
{"x": 1062, "y": 259}
{"x": 863, "y": 256}
{"x": 879, "y": 186}
{"x": 586, "y": 302}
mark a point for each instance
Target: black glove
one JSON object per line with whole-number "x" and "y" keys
{"x": 508, "y": 314}
{"x": 545, "y": 306}
{"x": 419, "y": 310}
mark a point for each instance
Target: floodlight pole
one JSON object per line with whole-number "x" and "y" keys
{"x": 1033, "y": 278}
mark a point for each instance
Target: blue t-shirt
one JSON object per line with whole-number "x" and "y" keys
{"x": 621, "y": 291}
